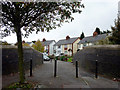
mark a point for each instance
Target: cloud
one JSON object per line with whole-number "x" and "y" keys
{"x": 97, "y": 13}
{"x": 99, "y": 1}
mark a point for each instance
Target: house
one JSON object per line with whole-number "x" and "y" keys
{"x": 48, "y": 46}
{"x": 91, "y": 40}
{"x": 4, "y": 43}
{"x": 30, "y": 43}
{"x": 66, "y": 46}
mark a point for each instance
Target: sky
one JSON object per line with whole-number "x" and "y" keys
{"x": 97, "y": 13}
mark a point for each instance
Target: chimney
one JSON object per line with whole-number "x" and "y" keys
{"x": 95, "y": 34}
{"x": 67, "y": 37}
{"x": 44, "y": 39}
{"x": 23, "y": 41}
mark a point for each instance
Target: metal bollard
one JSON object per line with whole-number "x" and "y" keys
{"x": 96, "y": 71}
{"x": 31, "y": 67}
{"x": 55, "y": 69}
{"x": 76, "y": 69}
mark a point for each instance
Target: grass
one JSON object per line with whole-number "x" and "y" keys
{"x": 69, "y": 60}
{"x": 19, "y": 85}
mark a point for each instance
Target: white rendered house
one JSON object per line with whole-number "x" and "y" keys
{"x": 48, "y": 46}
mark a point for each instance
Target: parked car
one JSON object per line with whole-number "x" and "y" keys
{"x": 46, "y": 58}
{"x": 61, "y": 54}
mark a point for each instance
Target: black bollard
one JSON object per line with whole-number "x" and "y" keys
{"x": 76, "y": 69}
{"x": 55, "y": 69}
{"x": 96, "y": 71}
{"x": 30, "y": 67}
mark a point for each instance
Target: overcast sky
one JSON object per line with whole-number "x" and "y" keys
{"x": 97, "y": 13}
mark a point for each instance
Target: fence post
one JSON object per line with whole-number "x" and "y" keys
{"x": 96, "y": 70}
{"x": 55, "y": 68}
{"x": 76, "y": 69}
{"x": 31, "y": 67}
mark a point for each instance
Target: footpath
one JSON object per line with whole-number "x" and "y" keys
{"x": 43, "y": 76}
{"x": 66, "y": 77}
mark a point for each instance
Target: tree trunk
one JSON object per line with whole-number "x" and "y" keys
{"x": 20, "y": 55}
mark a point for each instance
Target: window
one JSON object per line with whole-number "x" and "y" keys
{"x": 84, "y": 45}
{"x": 58, "y": 52}
{"x": 70, "y": 46}
{"x": 54, "y": 51}
{"x": 81, "y": 46}
{"x": 59, "y": 46}
{"x": 65, "y": 52}
{"x": 65, "y": 46}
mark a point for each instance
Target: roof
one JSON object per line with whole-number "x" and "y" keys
{"x": 46, "y": 43}
{"x": 92, "y": 39}
{"x": 64, "y": 41}
{"x": 28, "y": 42}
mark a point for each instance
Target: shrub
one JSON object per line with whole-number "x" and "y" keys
{"x": 19, "y": 85}
{"x": 69, "y": 60}
{"x": 62, "y": 58}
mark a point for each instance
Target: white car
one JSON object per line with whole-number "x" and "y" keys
{"x": 46, "y": 58}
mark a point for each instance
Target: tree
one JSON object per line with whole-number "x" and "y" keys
{"x": 82, "y": 36}
{"x": 35, "y": 16}
{"x": 38, "y": 46}
{"x": 104, "y": 42}
{"x": 5, "y": 43}
{"x": 26, "y": 44}
{"x": 115, "y": 38}
{"x": 105, "y": 32}
{"x": 108, "y": 31}
{"x": 97, "y": 30}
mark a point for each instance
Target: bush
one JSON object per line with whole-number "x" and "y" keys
{"x": 62, "y": 58}
{"x": 69, "y": 60}
{"x": 19, "y": 85}
{"x": 66, "y": 58}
